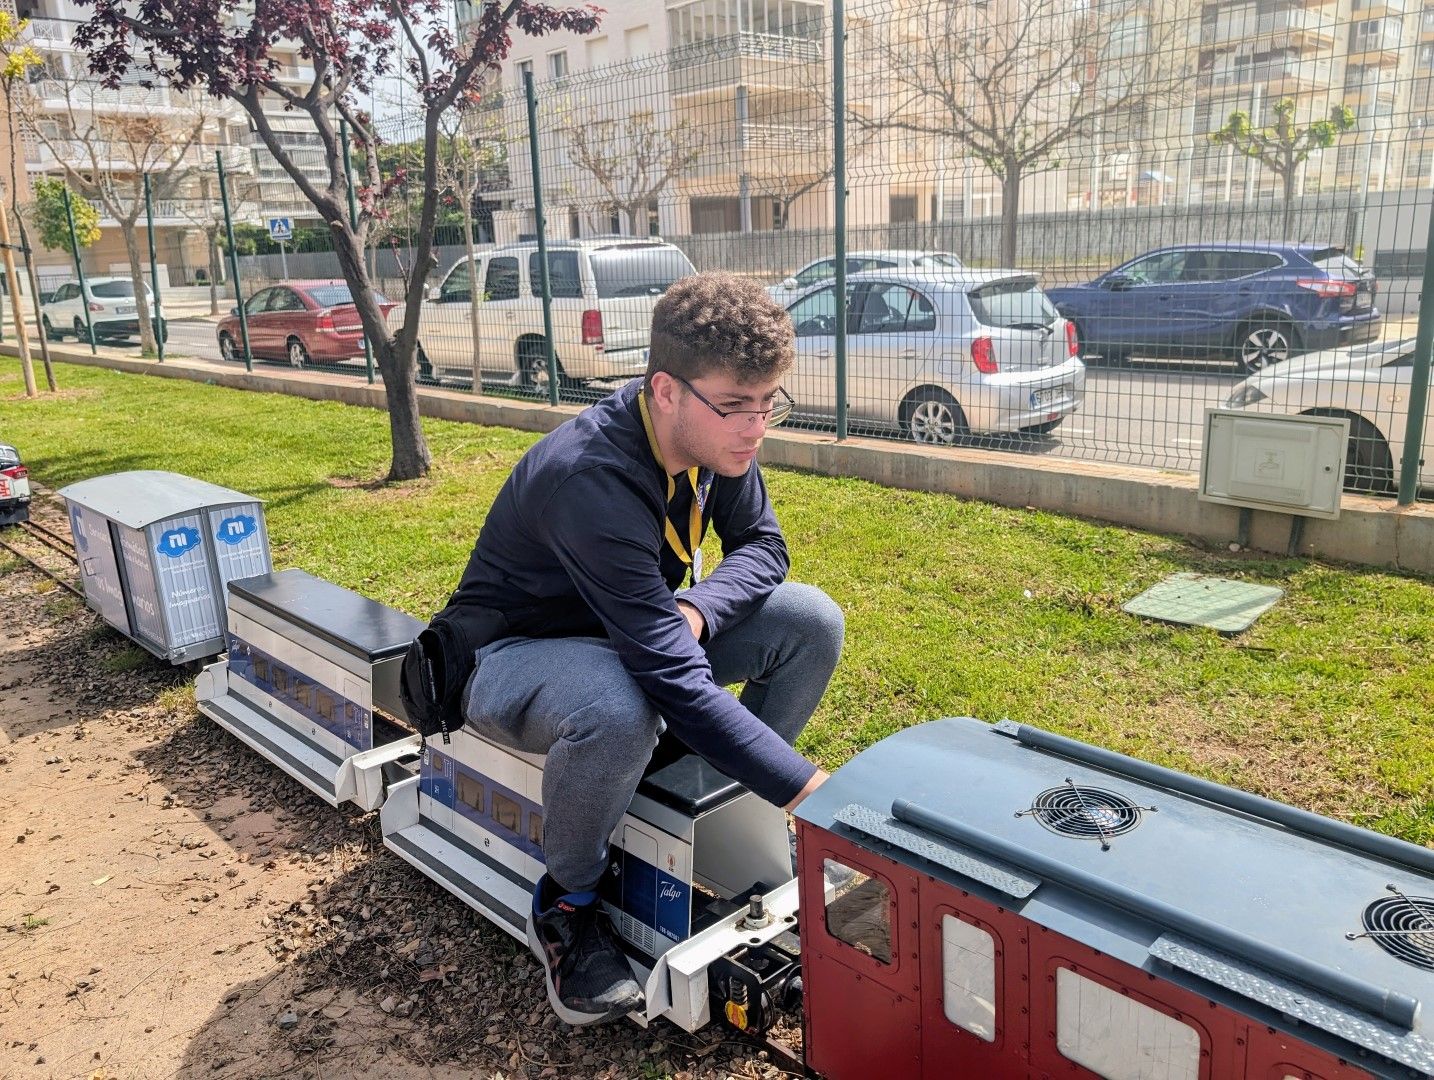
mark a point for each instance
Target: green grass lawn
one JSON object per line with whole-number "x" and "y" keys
{"x": 953, "y": 607}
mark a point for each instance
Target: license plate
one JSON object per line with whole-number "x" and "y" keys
{"x": 125, "y": 309}
{"x": 1047, "y": 395}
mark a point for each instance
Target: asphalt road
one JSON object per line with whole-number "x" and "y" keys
{"x": 1151, "y": 413}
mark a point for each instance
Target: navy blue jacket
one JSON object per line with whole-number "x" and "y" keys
{"x": 574, "y": 546}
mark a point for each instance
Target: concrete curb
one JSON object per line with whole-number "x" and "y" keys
{"x": 1371, "y": 532}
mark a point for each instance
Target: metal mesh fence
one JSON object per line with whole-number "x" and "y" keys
{"x": 1070, "y": 227}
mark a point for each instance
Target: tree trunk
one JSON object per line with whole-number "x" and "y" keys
{"x": 394, "y": 356}
{"x": 211, "y": 238}
{"x": 473, "y": 294}
{"x": 35, "y": 301}
{"x": 1288, "y": 176}
{"x": 141, "y": 298}
{"x": 1010, "y": 209}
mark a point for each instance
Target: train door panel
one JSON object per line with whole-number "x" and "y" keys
{"x": 975, "y": 1014}
{"x": 1096, "y": 1018}
{"x": 860, "y": 965}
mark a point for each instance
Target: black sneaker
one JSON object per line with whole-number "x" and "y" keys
{"x": 589, "y": 979}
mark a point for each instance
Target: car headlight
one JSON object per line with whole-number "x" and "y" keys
{"x": 1245, "y": 395}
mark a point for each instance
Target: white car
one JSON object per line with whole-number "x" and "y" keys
{"x": 113, "y": 310}
{"x": 603, "y": 292}
{"x": 825, "y": 269}
{"x": 1370, "y": 385}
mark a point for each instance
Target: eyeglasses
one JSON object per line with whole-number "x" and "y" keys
{"x": 742, "y": 419}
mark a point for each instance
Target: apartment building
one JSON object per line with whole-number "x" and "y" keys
{"x": 84, "y": 122}
{"x": 738, "y": 90}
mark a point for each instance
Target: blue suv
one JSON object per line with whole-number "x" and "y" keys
{"x": 1255, "y": 303}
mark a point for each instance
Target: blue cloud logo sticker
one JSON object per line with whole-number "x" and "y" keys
{"x": 235, "y": 530}
{"x": 176, "y": 543}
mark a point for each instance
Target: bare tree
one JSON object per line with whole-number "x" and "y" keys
{"x": 631, "y": 159}
{"x": 1014, "y": 81}
{"x": 206, "y": 210}
{"x": 106, "y": 141}
{"x": 1285, "y": 145}
{"x": 474, "y": 147}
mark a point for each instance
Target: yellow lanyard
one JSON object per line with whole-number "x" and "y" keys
{"x": 694, "y": 559}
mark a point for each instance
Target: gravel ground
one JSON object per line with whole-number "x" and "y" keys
{"x": 173, "y": 905}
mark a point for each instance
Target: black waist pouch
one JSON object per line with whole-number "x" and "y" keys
{"x": 438, "y": 664}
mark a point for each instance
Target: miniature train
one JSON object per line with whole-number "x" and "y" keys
{"x": 976, "y": 901}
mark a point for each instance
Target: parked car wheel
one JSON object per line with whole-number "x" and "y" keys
{"x": 1368, "y": 461}
{"x": 50, "y": 334}
{"x": 533, "y": 368}
{"x": 227, "y": 349}
{"x": 298, "y": 355}
{"x": 932, "y": 416}
{"x": 1264, "y": 343}
{"x": 425, "y": 367}
{"x": 82, "y": 332}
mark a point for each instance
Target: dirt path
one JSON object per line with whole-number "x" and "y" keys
{"x": 173, "y": 905}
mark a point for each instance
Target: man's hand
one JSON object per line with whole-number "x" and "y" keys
{"x": 819, "y": 778}
{"x": 694, "y": 618}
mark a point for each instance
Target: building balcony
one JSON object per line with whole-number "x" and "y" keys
{"x": 1293, "y": 28}
{"x": 1383, "y": 50}
{"x": 1278, "y": 79}
{"x": 51, "y": 33}
{"x": 752, "y": 60}
{"x": 120, "y": 158}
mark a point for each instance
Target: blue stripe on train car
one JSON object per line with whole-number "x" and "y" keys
{"x": 323, "y": 705}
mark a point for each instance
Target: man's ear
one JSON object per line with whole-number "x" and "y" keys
{"x": 666, "y": 392}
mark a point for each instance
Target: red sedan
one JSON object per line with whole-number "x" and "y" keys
{"x": 302, "y": 322}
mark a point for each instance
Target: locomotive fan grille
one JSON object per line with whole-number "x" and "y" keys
{"x": 1402, "y": 926}
{"x": 1086, "y": 813}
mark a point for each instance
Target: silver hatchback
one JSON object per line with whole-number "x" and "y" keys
{"x": 939, "y": 354}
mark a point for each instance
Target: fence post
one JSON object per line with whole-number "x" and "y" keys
{"x": 552, "y": 358}
{"x": 154, "y": 272}
{"x": 353, "y": 224}
{"x": 1419, "y": 386}
{"x": 234, "y": 263}
{"x": 839, "y": 202}
{"x": 79, "y": 273}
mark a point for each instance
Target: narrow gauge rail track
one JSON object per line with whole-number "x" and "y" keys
{"x": 45, "y": 537}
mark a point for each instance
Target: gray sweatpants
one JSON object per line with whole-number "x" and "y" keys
{"x": 571, "y": 699}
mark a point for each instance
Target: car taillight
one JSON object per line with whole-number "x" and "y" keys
{"x": 983, "y": 355}
{"x": 15, "y": 472}
{"x": 1326, "y": 287}
{"x": 1072, "y": 341}
{"x": 592, "y": 327}
{"x": 95, "y": 307}
{"x": 325, "y": 321}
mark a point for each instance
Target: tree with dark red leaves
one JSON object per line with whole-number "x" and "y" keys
{"x": 227, "y": 48}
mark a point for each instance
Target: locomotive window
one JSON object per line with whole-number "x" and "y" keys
{"x": 968, "y": 977}
{"x": 859, "y": 910}
{"x": 324, "y": 705}
{"x": 506, "y": 812}
{"x": 1118, "y": 1037}
{"x": 435, "y": 761}
{"x": 303, "y": 692}
{"x": 281, "y": 679}
{"x": 261, "y": 669}
{"x": 470, "y": 792}
{"x": 535, "y": 828}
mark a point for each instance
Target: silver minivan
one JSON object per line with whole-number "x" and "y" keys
{"x": 939, "y": 353}
{"x": 603, "y": 292}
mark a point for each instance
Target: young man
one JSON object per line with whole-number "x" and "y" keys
{"x": 583, "y": 552}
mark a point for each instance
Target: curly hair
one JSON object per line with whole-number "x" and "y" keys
{"x": 719, "y": 322}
